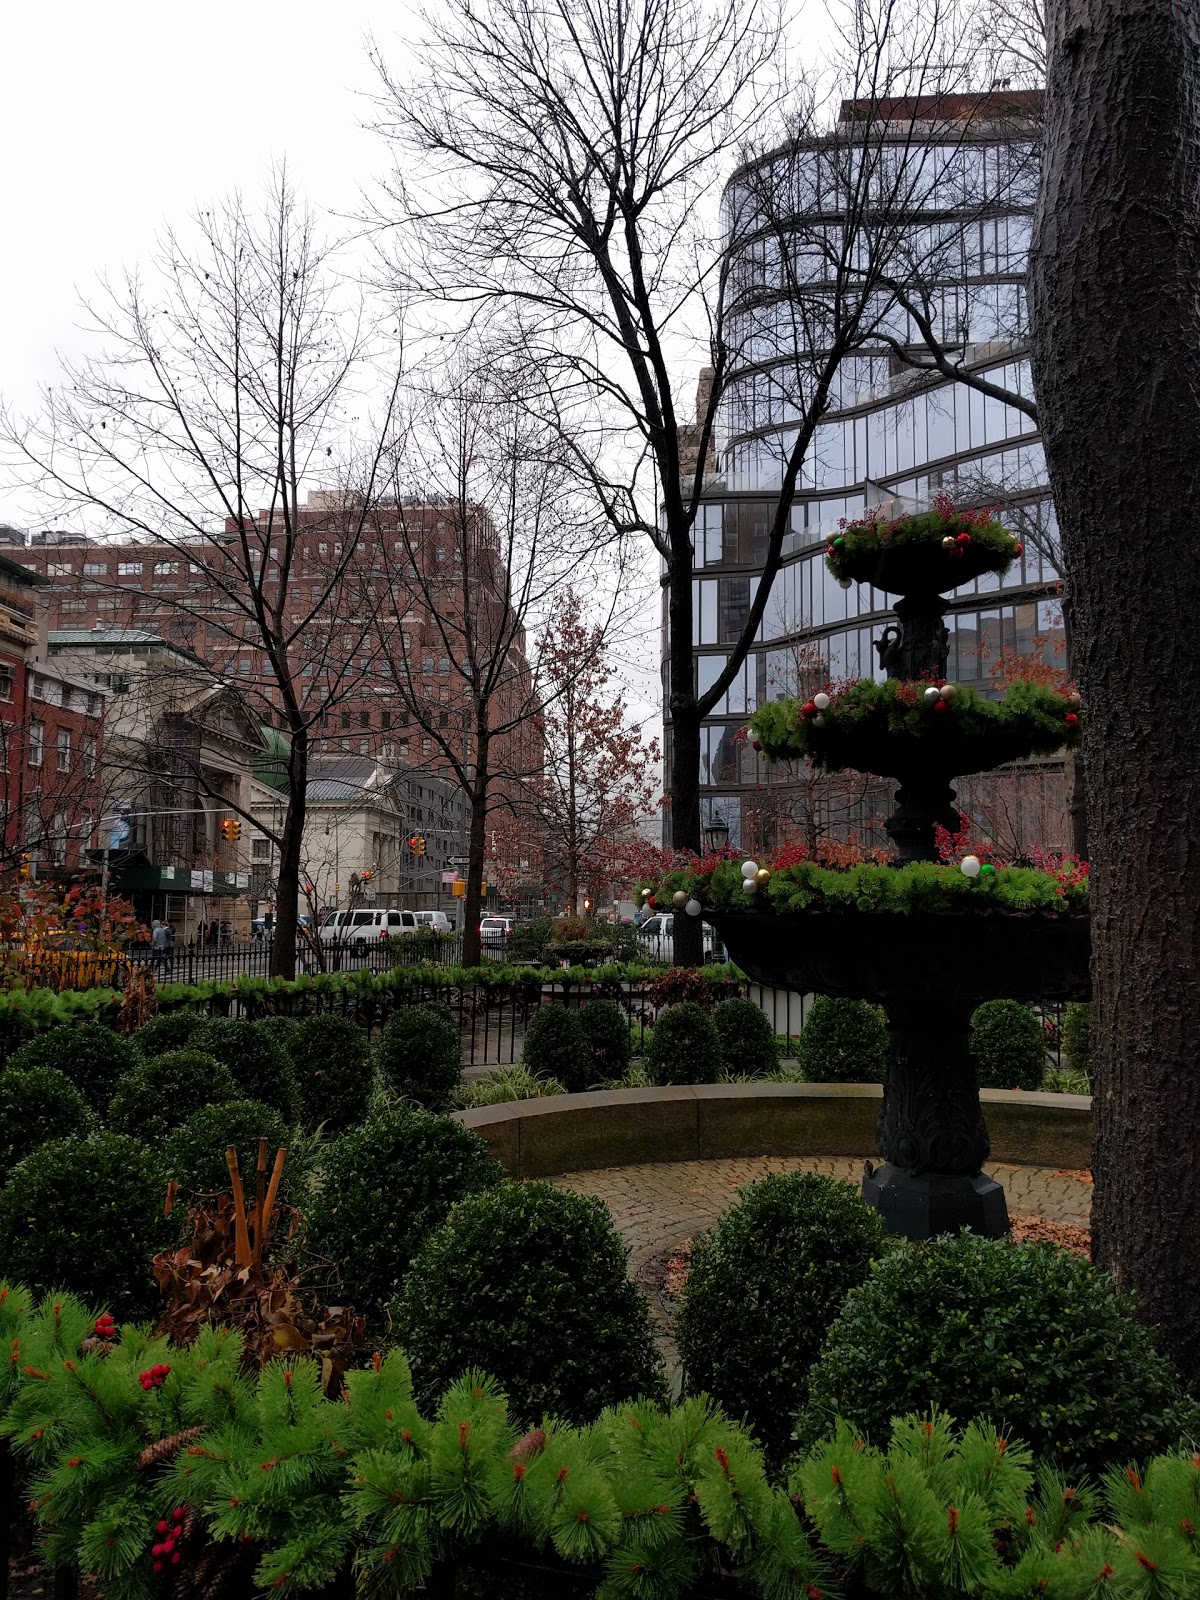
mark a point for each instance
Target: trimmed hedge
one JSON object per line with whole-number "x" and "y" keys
{"x": 38, "y": 1104}
{"x": 160, "y": 1095}
{"x": 1008, "y": 1046}
{"x": 419, "y": 1053}
{"x": 94, "y": 1058}
{"x": 169, "y": 1030}
{"x": 195, "y": 1153}
{"x": 557, "y": 1047}
{"x": 260, "y": 1066}
{"x": 748, "y": 1048}
{"x": 843, "y": 1041}
{"x": 606, "y": 1029}
{"x": 332, "y": 1062}
{"x": 685, "y": 1046}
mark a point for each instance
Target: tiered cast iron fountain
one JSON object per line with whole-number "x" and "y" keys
{"x": 928, "y": 969}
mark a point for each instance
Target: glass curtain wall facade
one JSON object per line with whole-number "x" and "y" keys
{"x": 893, "y": 437}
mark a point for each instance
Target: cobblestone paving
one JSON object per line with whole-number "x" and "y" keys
{"x": 658, "y": 1207}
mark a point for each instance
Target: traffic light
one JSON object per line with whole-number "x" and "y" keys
{"x": 232, "y": 829}
{"x": 420, "y": 846}
{"x": 25, "y": 865}
{"x": 587, "y": 907}
{"x": 412, "y": 844}
{"x": 366, "y": 875}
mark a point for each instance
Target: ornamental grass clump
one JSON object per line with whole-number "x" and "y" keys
{"x": 1027, "y": 1333}
{"x": 86, "y": 1215}
{"x": 530, "y": 1282}
{"x": 503, "y": 1084}
{"x": 765, "y": 1286}
{"x": 685, "y": 1047}
{"x": 94, "y": 1058}
{"x": 260, "y": 1066}
{"x": 842, "y": 1041}
{"x": 606, "y": 1029}
{"x": 195, "y": 1152}
{"x": 748, "y": 1048}
{"x": 333, "y": 1067}
{"x": 383, "y": 1187}
{"x": 160, "y": 1095}
{"x": 1008, "y": 1046}
{"x": 419, "y": 1054}
{"x": 38, "y": 1104}
{"x": 556, "y": 1046}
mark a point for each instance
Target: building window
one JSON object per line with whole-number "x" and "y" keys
{"x": 345, "y": 719}
{"x": 7, "y": 680}
{"x": 443, "y": 719}
{"x": 733, "y": 608}
{"x": 95, "y": 569}
{"x": 385, "y": 719}
{"x": 64, "y": 749}
{"x": 59, "y": 569}
{"x": 129, "y": 569}
{"x": 71, "y": 608}
{"x": 163, "y": 569}
{"x": 37, "y": 743}
{"x": 364, "y": 719}
{"x": 426, "y": 746}
{"x": 403, "y": 747}
{"x": 89, "y": 757}
{"x": 427, "y": 666}
{"x": 260, "y": 849}
{"x": 444, "y": 666}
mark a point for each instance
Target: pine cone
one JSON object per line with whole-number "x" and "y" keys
{"x": 528, "y": 1445}
{"x": 162, "y": 1449}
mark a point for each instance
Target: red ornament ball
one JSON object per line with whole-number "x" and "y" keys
{"x": 160, "y": 1527}
{"x": 941, "y": 705}
{"x": 808, "y": 709}
{"x": 1018, "y": 548}
{"x": 1071, "y": 719}
{"x": 650, "y": 900}
{"x": 963, "y": 539}
{"x": 755, "y": 745}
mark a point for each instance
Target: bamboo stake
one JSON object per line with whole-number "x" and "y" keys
{"x": 260, "y": 1186}
{"x": 273, "y": 1190}
{"x": 241, "y": 1234}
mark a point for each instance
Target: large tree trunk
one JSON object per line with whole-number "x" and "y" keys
{"x": 1116, "y": 350}
{"x": 473, "y": 904}
{"x": 287, "y": 896}
{"x": 684, "y": 787}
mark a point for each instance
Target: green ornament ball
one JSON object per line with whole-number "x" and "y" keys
{"x": 987, "y": 869}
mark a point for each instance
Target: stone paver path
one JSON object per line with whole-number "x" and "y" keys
{"x": 659, "y": 1207}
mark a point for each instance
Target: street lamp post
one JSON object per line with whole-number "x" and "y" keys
{"x": 716, "y": 835}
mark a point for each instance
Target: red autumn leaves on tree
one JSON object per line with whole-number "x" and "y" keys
{"x": 602, "y": 776}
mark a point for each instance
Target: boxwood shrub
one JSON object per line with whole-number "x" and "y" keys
{"x": 1026, "y": 1335}
{"x": 38, "y": 1104}
{"x": 529, "y": 1282}
{"x": 384, "y": 1186}
{"x": 169, "y": 1030}
{"x": 765, "y": 1286}
{"x": 94, "y": 1058}
{"x": 1008, "y": 1046}
{"x": 557, "y": 1046}
{"x": 86, "y": 1215}
{"x": 843, "y": 1041}
{"x": 685, "y": 1046}
{"x": 333, "y": 1067}
{"x": 195, "y": 1152}
{"x": 606, "y": 1029}
{"x": 1076, "y": 1044}
{"x": 419, "y": 1054}
{"x": 748, "y": 1048}
{"x": 160, "y": 1095}
{"x": 260, "y": 1066}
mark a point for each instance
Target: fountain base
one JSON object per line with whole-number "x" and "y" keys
{"x": 923, "y": 1205}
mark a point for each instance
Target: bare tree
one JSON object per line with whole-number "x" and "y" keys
{"x": 466, "y": 587}
{"x": 1116, "y": 344}
{"x": 564, "y": 158}
{"x": 223, "y": 384}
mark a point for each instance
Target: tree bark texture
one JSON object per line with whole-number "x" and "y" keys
{"x": 1116, "y": 352}
{"x": 473, "y": 903}
{"x": 287, "y": 889}
{"x": 684, "y": 787}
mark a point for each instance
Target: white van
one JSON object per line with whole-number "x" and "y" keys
{"x": 367, "y": 925}
{"x": 437, "y": 920}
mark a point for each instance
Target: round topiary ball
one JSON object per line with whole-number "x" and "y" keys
{"x": 384, "y": 1186}
{"x": 419, "y": 1053}
{"x": 85, "y": 1215}
{"x": 1076, "y": 1045}
{"x": 94, "y": 1058}
{"x": 282, "y": 1029}
{"x": 333, "y": 1068}
{"x": 748, "y": 1047}
{"x": 260, "y": 1067}
{"x": 168, "y": 1030}
{"x": 606, "y": 1029}
{"x": 195, "y": 1153}
{"x": 1026, "y": 1336}
{"x": 843, "y": 1041}
{"x": 765, "y": 1286}
{"x": 685, "y": 1046}
{"x": 529, "y": 1282}
{"x": 556, "y": 1046}
{"x": 38, "y": 1104}
{"x": 1008, "y": 1046}
{"x": 160, "y": 1095}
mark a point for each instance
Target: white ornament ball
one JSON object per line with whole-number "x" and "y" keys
{"x": 749, "y": 886}
{"x": 693, "y": 908}
{"x": 679, "y": 898}
{"x": 818, "y": 721}
{"x": 948, "y": 691}
{"x": 749, "y": 869}
{"x": 932, "y": 694}
{"x": 1074, "y": 700}
{"x": 821, "y": 701}
{"x": 970, "y": 866}
{"x": 846, "y": 583}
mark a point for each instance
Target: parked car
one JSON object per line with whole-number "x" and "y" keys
{"x": 437, "y": 920}
{"x": 657, "y": 937}
{"x": 367, "y": 925}
{"x": 495, "y": 930}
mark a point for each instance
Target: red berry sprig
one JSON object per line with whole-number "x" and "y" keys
{"x": 154, "y": 1377}
{"x": 165, "y": 1553}
{"x": 105, "y": 1327}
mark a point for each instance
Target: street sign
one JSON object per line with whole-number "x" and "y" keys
{"x": 456, "y": 861}
{"x": 449, "y": 877}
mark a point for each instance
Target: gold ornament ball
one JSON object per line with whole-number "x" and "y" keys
{"x": 679, "y": 898}
{"x": 762, "y": 876}
{"x": 948, "y": 543}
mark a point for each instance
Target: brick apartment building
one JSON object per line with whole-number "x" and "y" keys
{"x": 368, "y": 594}
{"x": 51, "y": 739}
